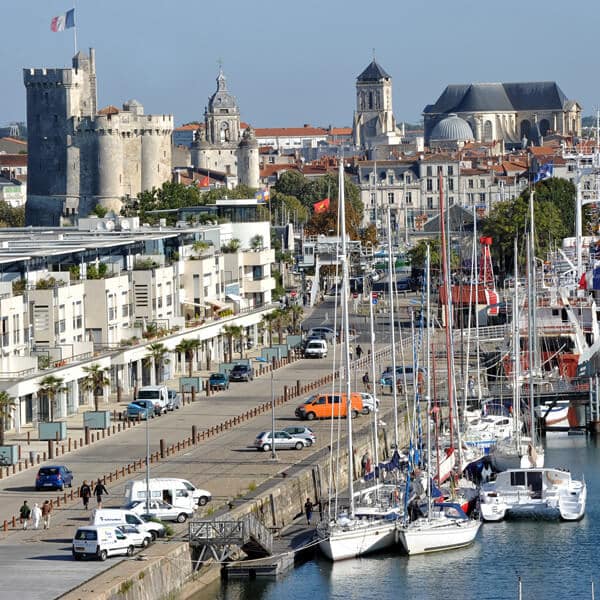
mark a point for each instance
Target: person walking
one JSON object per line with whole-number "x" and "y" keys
{"x": 24, "y": 514}
{"x": 366, "y": 382}
{"x": 308, "y": 510}
{"x": 36, "y": 515}
{"x": 85, "y": 491}
{"x": 46, "y": 510}
{"x": 99, "y": 491}
{"x": 359, "y": 352}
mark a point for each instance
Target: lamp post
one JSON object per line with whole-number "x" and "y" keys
{"x": 273, "y": 452}
{"x": 147, "y": 461}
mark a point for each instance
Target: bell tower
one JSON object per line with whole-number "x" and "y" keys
{"x": 222, "y": 116}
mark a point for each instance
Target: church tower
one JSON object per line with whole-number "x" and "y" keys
{"x": 374, "y": 122}
{"x": 222, "y": 116}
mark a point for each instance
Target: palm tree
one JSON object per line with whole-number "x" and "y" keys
{"x": 50, "y": 386}
{"x": 158, "y": 356}
{"x": 296, "y": 312}
{"x": 232, "y": 332}
{"x": 7, "y": 405}
{"x": 281, "y": 320}
{"x": 95, "y": 381}
{"x": 267, "y": 323}
{"x": 188, "y": 347}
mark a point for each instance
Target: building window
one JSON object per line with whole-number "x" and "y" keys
{"x": 408, "y": 197}
{"x": 451, "y": 200}
{"x": 450, "y": 170}
{"x": 430, "y": 185}
{"x": 429, "y": 171}
{"x": 390, "y": 180}
{"x": 482, "y": 183}
{"x": 407, "y": 178}
{"x": 482, "y": 198}
{"x": 429, "y": 203}
{"x": 451, "y": 184}
{"x": 470, "y": 184}
{"x": 390, "y": 197}
{"x": 373, "y": 198}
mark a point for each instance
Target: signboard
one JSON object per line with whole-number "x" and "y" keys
{"x": 374, "y": 297}
{"x": 187, "y": 383}
{"x": 293, "y": 293}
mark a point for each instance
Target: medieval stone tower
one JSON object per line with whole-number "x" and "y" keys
{"x": 221, "y": 147}
{"x": 374, "y": 122}
{"x": 79, "y": 156}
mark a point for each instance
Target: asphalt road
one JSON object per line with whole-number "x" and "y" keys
{"x": 40, "y": 561}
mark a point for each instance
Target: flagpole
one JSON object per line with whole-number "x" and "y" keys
{"x": 75, "y": 26}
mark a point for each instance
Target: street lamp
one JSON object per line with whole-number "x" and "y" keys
{"x": 147, "y": 461}
{"x": 273, "y": 452}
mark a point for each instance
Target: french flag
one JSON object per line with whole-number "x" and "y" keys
{"x": 63, "y": 22}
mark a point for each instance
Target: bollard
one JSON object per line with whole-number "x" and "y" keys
{"x": 75, "y": 444}
{"x": 162, "y": 448}
{"x": 193, "y": 394}
{"x": 103, "y": 433}
{"x": 5, "y": 526}
{"x": 57, "y": 438}
{"x": 28, "y": 438}
{"x": 57, "y": 501}
{"x": 114, "y": 430}
{"x": 69, "y": 444}
{"x": 110, "y": 477}
{"x": 14, "y": 521}
{"x": 128, "y": 469}
{"x": 71, "y": 495}
{"x": 38, "y": 459}
{"x": 20, "y": 466}
{"x": 19, "y": 451}
{"x": 62, "y": 448}
{"x": 119, "y": 428}
{"x": 87, "y": 435}
{"x": 194, "y": 433}
{"x": 50, "y": 450}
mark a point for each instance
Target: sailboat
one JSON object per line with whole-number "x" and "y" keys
{"x": 354, "y": 533}
{"x": 445, "y": 525}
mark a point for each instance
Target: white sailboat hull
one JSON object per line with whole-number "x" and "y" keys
{"x": 422, "y": 537}
{"x": 356, "y": 539}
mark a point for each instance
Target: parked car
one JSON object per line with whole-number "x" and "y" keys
{"x": 283, "y": 441}
{"x": 158, "y": 394}
{"x": 241, "y": 373}
{"x": 316, "y": 349}
{"x": 174, "y": 401}
{"x": 218, "y": 381}
{"x": 141, "y": 409}
{"x": 403, "y": 373}
{"x": 160, "y": 510}
{"x": 138, "y": 538}
{"x": 117, "y": 516}
{"x": 54, "y": 477}
{"x": 101, "y": 541}
{"x": 325, "y": 332}
{"x": 306, "y": 433}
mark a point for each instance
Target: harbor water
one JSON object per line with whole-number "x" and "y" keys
{"x": 555, "y": 560}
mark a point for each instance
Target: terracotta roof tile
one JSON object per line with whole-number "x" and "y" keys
{"x": 13, "y": 160}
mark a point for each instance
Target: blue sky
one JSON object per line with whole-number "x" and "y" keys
{"x": 291, "y": 63}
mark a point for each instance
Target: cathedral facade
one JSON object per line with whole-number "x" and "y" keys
{"x": 515, "y": 113}
{"x": 221, "y": 147}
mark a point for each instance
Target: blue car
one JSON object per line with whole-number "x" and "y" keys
{"x": 143, "y": 408}
{"x": 54, "y": 477}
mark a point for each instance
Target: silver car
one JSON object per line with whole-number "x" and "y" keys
{"x": 160, "y": 510}
{"x": 283, "y": 441}
{"x": 306, "y": 433}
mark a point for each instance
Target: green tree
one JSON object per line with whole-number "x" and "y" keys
{"x": 268, "y": 322}
{"x": 231, "y": 246}
{"x": 95, "y": 381}
{"x": 281, "y": 320}
{"x": 295, "y": 311}
{"x": 285, "y": 204}
{"x": 157, "y": 356}
{"x": 188, "y": 348}
{"x": 7, "y": 405}
{"x": 11, "y": 217}
{"x": 510, "y": 219}
{"x": 50, "y": 387}
{"x": 169, "y": 196}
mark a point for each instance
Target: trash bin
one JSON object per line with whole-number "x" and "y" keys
{"x": 33, "y": 457}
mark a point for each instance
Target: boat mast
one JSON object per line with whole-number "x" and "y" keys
{"x": 373, "y": 379}
{"x": 392, "y": 289}
{"x": 446, "y": 279}
{"x": 346, "y": 329}
{"x": 533, "y": 358}
{"x": 428, "y": 361}
{"x": 516, "y": 354}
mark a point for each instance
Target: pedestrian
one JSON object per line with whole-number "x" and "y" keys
{"x": 46, "y": 510}
{"x": 365, "y": 463}
{"x": 359, "y": 352}
{"x": 99, "y": 490}
{"x": 85, "y": 491}
{"x": 24, "y": 514}
{"x": 471, "y": 385}
{"x": 366, "y": 382}
{"x": 308, "y": 510}
{"x": 399, "y": 386}
{"x": 36, "y": 515}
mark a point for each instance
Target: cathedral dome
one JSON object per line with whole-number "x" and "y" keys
{"x": 452, "y": 128}
{"x": 222, "y": 100}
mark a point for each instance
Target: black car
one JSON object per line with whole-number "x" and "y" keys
{"x": 241, "y": 373}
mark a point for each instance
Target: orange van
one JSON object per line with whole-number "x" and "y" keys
{"x": 325, "y": 406}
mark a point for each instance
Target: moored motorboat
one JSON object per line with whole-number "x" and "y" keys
{"x": 541, "y": 493}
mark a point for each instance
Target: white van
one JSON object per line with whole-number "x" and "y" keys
{"x": 177, "y": 492}
{"x": 116, "y": 517}
{"x": 101, "y": 541}
{"x": 159, "y": 394}
{"x": 316, "y": 349}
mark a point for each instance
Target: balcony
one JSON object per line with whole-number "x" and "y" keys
{"x": 256, "y": 286}
{"x": 258, "y": 258}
